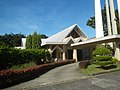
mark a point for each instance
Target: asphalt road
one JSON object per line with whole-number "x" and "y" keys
{"x": 109, "y": 81}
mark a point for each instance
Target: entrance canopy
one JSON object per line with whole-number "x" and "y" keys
{"x": 107, "y": 39}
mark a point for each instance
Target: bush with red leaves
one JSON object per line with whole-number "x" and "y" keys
{"x": 13, "y": 77}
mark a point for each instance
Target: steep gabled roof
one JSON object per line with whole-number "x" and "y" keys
{"x": 59, "y": 37}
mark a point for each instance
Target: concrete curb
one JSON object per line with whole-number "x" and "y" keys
{"x": 104, "y": 72}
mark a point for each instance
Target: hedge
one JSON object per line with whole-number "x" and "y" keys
{"x": 11, "y": 56}
{"x": 12, "y": 77}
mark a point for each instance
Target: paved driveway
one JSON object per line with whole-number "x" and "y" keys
{"x": 57, "y": 75}
{"x": 110, "y": 81}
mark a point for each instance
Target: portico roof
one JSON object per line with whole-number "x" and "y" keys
{"x": 106, "y": 39}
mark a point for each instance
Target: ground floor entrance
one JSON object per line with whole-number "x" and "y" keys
{"x": 80, "y": 54}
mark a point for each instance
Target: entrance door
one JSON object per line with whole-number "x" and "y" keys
{"x": 70, "y": 54}
{"x": 79, "y": 55}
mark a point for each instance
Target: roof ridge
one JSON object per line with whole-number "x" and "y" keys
{"x": 69, "y": 28}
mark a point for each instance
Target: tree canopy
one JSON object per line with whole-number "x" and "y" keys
{"x": 34, "y": 41}
{"x": 29, "y": 41}
{"x": 11, "y": 39}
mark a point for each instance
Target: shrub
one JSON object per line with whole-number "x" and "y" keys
{"x": 102, "y": 56}
{"x": 12, "y": 77}
{"x": 11, "y": 56}
{"x": 101, "y": 51}
{"x": 84, "y": 64}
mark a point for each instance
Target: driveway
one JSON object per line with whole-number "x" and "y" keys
{"x": 58, "y": 75}
{"x": 109, "y": 81}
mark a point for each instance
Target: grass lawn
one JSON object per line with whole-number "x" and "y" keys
{"x": 93, "y": 70}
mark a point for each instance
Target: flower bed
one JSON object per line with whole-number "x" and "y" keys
{"x": 12, "y": 77}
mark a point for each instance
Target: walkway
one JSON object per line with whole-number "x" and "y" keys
{"x": 57, "y": 75}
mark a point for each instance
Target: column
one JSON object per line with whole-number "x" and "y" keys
{"x": 108, "y": 18}
{"x": 64, "y": 54}
{"x": 75, "y": 54}
{"x": 113, "y": 19}
{"x": 50, "y": 50}
{"x": 117, "y": 50}
{"x": 118, "y": 2}
{"x": 98, "y": 20}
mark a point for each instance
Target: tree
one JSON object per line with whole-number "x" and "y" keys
{"x": 91, "y": 21}
{"x": 36, "y": 41}
{"x": 11, "y": 40}
{"x": 43, "y": 36}
{"x": 29, "y": 42}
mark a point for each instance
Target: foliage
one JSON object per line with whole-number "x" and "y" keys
{"x": 43, "y": 36}
{"x": 29, "y": 42}
{"x": 11, "y": 40}
{"x": 11, "y": 56}
{"x": 94, "y": 69}
{"x": 13, "y": 77}
{"x": 91, "y": 21}
{"x": 36, "y": 41}
{"x": 84, "y": 64}
{"x": 118, "y": 27}
{"x": 26, "y": 65}
{"x": 102, "y": 56}
{"x": 101, "y": 50}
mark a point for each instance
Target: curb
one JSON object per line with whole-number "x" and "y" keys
{"x": 104, "y": 72}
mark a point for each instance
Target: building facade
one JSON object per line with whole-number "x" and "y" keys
{"x": 59, "y": 45}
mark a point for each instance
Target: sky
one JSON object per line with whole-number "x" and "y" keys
{"x": 45, "y": 16}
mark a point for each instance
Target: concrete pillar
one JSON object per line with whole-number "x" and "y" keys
{"x": 75, "y": 54}
{"x": 64, "y": 54}
{"x": 117, "y": 50}
{"x": 98, "y": 20}
{"x": 50, "y": 50}
{"x": 108, "y": 18}
{"x": 118, "y": 2}
{"x": 113, "y": 18}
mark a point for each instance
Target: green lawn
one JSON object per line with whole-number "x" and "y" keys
{"x": 93, "y": 69}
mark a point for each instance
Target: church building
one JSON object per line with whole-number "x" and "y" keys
{"x": 59, "y": 45}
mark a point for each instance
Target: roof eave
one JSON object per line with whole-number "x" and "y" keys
{"x": 111, "y": 37}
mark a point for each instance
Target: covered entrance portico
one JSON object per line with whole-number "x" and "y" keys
{"x": 112, "y": 39}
